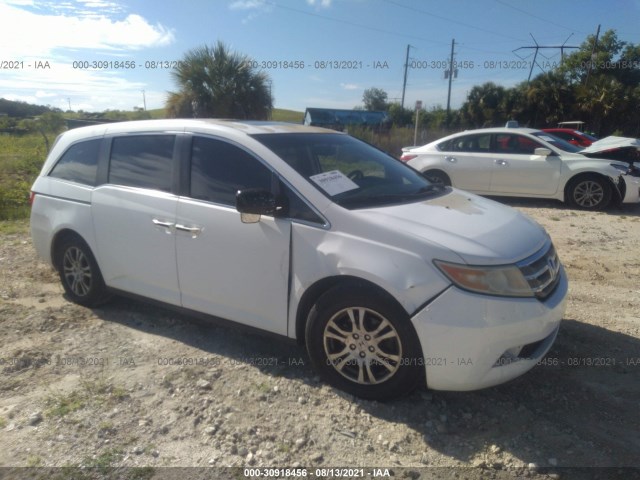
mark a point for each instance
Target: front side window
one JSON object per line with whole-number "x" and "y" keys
{"x": 144, "y": 161}
{"x": 79, "y": 163}
{"x": 557, "y": 142}
{"x": 350, "y": 172}
{"x": 219, "y": 169}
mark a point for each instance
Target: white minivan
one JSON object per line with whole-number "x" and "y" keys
{"x": 390, "y": 281}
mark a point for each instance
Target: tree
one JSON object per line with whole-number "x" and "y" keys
{"x": 375, "y": 99}
{"x": 577, "y": 64}
{"x": 399, "y": 116}
{"x": 217, "y": 82}
{"x": 551, "y": 98}
{"x": 49, "y": 123}
{"x": 485, "y": 105}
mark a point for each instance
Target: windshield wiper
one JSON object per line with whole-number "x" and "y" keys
{"x": 422, "y": 192}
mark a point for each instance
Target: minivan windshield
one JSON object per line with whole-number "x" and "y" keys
{"x": 350, "y": 172}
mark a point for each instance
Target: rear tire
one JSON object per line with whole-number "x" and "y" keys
{"x": 79, "y": 273}
{"x": 364, "y": 344}
{"x": 437, "y": 177}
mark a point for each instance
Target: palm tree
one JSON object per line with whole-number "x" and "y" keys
{"x": 551, "y": 97}
{"x": 216, "y": 82}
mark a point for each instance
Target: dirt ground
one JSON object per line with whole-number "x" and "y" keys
{"x": 134, "y": 385}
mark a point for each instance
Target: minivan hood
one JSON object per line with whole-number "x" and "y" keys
{"x": 478, "y": 230}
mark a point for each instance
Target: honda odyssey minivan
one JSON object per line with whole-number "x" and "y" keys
{"x": 388, "y": 280}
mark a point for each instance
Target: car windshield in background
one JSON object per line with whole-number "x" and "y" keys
{"x": 558, "y": 142}
{"x": 350, "y": 172}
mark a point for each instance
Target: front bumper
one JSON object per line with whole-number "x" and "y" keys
{"x": 472, "y": 341}
{"x": 632, "y": 189}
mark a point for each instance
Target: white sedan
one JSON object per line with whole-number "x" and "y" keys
{"x": 523, "y": 162}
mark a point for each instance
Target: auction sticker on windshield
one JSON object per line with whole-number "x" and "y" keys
{"x": 334, "y": 182}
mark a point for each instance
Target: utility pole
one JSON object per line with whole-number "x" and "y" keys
{"x": 404, "y": 83}
{"x": 451, "y": 74}
{"x": 144, "y": 101}
{"x": 593, "y": 54}
{"x": 537, "y": 48}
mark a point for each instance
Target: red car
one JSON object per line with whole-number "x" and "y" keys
{"x": 574, "y": 137}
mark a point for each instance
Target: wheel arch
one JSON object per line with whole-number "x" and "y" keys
{"x": 320, "y": 287}
{"x": 58, "y": 241}
{"x": 578, "y": 176}
{"x": 437, "y": 170}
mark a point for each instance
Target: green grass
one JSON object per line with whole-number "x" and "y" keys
{"x": 283, "y": 115}
{"x": 21, "y": 157}
{"x": 11, "y": 227}
{"x": 95, "y": 392}
{"x": 62, "y": 405}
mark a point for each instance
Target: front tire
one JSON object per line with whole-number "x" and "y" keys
{"x": 589, "y": 192}
{"x": 80, "y": 274}
{"x": 364, "y": 344}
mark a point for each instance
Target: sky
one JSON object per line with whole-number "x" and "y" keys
{"x": 95, "y": 55}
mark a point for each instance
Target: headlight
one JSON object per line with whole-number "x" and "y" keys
{"x": 503, "y": 280}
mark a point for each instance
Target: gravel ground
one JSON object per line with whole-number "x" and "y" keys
{"x": 134, "y": 385}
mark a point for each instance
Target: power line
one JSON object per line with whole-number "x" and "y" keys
{"x": 538, "y": 47}
{"x": 355, "y": 24}
{"x": 544, "y": 19}
{"x": 468, "y": 25}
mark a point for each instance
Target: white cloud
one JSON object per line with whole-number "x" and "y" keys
{"x": 27, "y": 34}
{"x": 350, "y": 86}
{"x": 320, "y": 3}
{"x": 255, "y": 8}
{"x": 247, "y": 5}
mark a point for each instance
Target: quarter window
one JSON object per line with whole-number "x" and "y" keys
{"x": 79, "y": 163}
{"x": 144, "y": 161}
{"x": 219, "y": 170}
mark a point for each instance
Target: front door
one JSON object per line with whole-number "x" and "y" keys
{"x": 227, "y": 268}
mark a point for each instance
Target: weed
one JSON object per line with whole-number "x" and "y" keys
{"x": 61, "y": 405}
{"x": 263, "y": 387}
{"x": 33, "y": 461}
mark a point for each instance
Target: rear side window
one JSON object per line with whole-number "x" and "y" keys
{"x": 467, "y": 143}
{"x": 144, "y": 161}
{"x": 219, "y": 170}
{"x": 79, "y": 163}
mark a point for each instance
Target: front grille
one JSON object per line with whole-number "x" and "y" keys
{"x": 542, "y": 271}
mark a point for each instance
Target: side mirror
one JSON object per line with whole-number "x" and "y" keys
{"x": 254, "y": 202}
{"x": 543, "y": 152}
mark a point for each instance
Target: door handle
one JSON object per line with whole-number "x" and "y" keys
{"x": 499, "y": 161}
{"x": 451, "y": 159}
{"x": 194, "y": 231}
{"x": 161, "y": 223}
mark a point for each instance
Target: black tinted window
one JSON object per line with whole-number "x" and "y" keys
{"x": 297, "y": 208}
{"x": 471, "y": 143}
{"x": 79, "y": 163}
{"x": 219, "y": 170}
{"x": 142, "y": 161}
{"x": 516, "y": 144}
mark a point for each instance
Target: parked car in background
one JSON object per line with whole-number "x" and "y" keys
{"x": 523, "y": 162}
{"x": 574, "y": 137}
{"x": 388, "y": 280}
